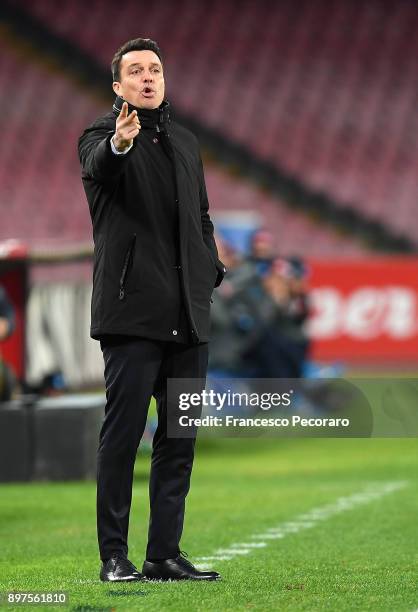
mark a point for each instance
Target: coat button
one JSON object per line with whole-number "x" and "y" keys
{"x": 155, "y": 140}
{"x": 177, "y": 202}
{"x": 174, "y": 332}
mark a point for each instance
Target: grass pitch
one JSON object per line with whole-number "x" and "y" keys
{"x": 362, "y": 558}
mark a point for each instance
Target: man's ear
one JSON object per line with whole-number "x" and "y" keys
{"x": 116, "y": 87}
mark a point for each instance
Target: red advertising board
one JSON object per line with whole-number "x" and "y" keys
{"x": 365, "y": 309}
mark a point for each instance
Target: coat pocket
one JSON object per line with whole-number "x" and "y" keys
{"x": 213, "y": 270}
{"x": 209, "y": 253}
{"x": 127, "y": 266}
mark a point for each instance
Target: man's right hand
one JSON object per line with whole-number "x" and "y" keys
{"x": 127, "y": 127}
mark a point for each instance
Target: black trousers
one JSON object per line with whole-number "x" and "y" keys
{"x": 136, "y": 369}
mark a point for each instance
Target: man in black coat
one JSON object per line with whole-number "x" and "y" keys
{"x": 155, "y": 267}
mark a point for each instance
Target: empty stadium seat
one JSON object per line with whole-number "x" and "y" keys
{"x": 327, "y": 91}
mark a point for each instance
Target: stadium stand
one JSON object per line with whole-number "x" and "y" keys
{"x": 39, "y": 166}
{"x": 337, "y": 110}
{"x": 40, "y": 192}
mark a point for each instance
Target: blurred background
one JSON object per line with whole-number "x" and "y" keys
{"x": 306, "y": 116}
{"x": 306, "y": 113}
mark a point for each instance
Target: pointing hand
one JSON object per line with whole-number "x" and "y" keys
{"x": 127, "y": 127}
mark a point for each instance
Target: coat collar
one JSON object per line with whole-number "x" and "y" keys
{"x": 157, "y": 118}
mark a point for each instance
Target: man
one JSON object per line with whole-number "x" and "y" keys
{"x": 238, "y": 314}
{"x": 155, "y": 267}
{"x": 281, "y": 351}
{"x": 262, "y": 251}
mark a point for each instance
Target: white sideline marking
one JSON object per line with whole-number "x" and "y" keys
{"x": 232, "y": 551}
{"x": 267, "y": 536}
{"x": 251, "y": 545}
{"x": 307, "y": 520}
{"x": 213, "y": 557}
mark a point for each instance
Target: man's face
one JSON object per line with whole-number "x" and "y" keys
{"x": 141, "y": 79}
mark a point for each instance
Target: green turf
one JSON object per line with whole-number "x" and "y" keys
{"x": 362, "y": 559}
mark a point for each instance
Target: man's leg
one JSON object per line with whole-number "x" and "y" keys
{"x": 172, "y": 458}
{"x": 131, "y": 369}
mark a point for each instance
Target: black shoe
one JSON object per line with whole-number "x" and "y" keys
{"x": 119, "y": 569}
{"x": 175, "y": 569}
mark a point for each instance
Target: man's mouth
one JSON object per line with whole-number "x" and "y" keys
{"x": 148, "y": 92}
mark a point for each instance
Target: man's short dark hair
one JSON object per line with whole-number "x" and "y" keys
{"x": 136, "y": 44}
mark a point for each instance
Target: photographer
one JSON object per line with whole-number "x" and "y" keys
{"x": 282, "y": 350}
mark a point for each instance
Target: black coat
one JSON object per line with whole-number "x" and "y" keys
{"x": 155, "y": 258}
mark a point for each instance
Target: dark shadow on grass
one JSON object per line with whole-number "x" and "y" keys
{"x": 126, "y": 593}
